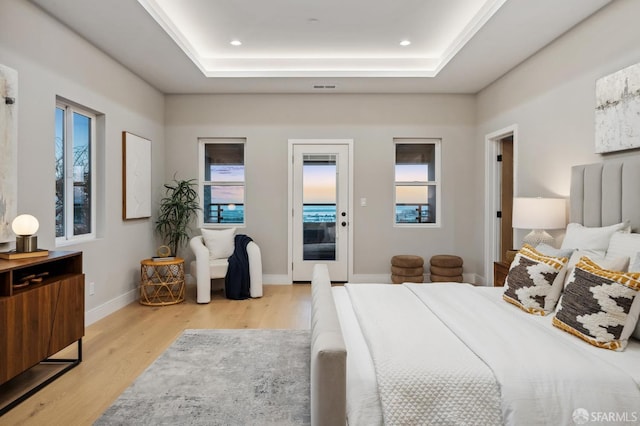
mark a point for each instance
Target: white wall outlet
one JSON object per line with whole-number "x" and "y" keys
{"x": 363, "y": 202}
{"x": 92, "y": 288}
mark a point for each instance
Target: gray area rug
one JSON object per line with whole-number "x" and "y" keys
{"x": 222, "y": 377}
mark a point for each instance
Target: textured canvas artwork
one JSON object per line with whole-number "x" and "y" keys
{"x": 618, "y": 110}
{"x": 8, "y": 151}
{"x": 137, "y": 176}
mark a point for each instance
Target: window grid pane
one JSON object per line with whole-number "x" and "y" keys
{"x": 60, "y": 165}
{"x": 81, "y": 174}
{"x": 224, "y": 162}
{"x": 415, "y": 204}
{"x": 223, "y": 204}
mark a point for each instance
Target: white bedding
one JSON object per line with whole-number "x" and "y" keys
{"x": 363, "y": 403}
{"x": 363, "y": 406}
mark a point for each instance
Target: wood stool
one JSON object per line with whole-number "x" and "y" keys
{"x": 407, "y": 268}
{"x": 446, "y": 268}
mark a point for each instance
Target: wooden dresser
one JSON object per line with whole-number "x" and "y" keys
{"x": 41, "y": 313}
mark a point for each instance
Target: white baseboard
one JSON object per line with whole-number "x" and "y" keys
{"x": 110, "y": 307}
{"x": 479, "y": 280}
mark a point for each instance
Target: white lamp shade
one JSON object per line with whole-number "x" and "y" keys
{"x": 539, "y": 213}
{"x": 25, "y": 224}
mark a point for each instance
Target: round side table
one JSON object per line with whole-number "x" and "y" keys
{"x": 161, "y": 282}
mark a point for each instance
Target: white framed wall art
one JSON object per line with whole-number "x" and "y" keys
{"x": 136, "y": 177}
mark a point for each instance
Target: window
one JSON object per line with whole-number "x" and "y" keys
{"x": 222, "y": 181}
{"x": 75, "y": 130}
{"x": 417, "y": 186}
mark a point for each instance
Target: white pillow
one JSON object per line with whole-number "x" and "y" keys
{"x": 635, "y": 267}
{"x": 623, "y": 245}
{"x": 597, "y": 256}
{"x": 219, "y": 242}
{"x": 582, "y": 237}
{"x": 548, "y": 250}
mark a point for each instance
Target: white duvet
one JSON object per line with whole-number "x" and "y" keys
{"x": 447, "y": 355}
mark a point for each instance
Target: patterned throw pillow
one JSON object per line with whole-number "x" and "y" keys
{"x": 534, "y": 282}
{"x": 600, "y": 306}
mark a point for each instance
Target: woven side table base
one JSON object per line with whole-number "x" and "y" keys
{"x": 162, "y": 282}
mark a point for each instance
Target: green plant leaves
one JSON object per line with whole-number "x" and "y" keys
{"x": 177, "y": 208}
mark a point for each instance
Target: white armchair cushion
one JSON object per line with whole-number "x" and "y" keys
{"x": 205, "y": 267}
{"x": 218, "y": 267}
{"x": 219, "y": 242}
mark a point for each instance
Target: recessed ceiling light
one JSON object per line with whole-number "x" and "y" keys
{"x": 235, "y": 43}
{"x": 405, "y": 43}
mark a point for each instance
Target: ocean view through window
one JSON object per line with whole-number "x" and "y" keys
{"x": 222, "y": 181}
{"x": 319, "y": 213}
{"x": 417, "y": 171}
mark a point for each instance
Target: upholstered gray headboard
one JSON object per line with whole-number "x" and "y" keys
{"x": 606, "y": 193}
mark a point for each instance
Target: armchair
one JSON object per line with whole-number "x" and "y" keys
{"x": 205, "y": 268}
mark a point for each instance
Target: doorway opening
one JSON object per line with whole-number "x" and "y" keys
{"x": 500, "y": 188}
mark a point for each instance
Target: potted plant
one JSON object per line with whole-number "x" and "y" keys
{"x": 177, "y": 208}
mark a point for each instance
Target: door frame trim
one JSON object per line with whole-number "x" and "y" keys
{"x": 492, "y": 196}
{"x": 291, "y": 143}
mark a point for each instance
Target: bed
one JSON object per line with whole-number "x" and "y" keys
{"x": 457, "y": 354}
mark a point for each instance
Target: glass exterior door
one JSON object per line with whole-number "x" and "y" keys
{"x": 320, "y": 210}
{"x": 319, "y": 178}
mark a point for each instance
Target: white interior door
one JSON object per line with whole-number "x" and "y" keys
{"x": 320, "y": 222}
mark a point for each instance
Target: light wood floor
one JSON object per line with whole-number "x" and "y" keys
{"x": 119, "y": 347}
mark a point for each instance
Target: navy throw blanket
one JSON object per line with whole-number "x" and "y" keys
{"x": 237, "y": 280}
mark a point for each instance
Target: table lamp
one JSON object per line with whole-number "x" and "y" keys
{"x": 24, "y": 226}
{"x": 539, "y": 214}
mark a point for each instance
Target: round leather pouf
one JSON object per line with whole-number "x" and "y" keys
{"x": 399, "y": 279}
{"x": 446, "y": 261}
{"x": 407, "y": 261}
{"x": 445, "y": 272}
{"x": 407, "y": 272}
{"x": 441, "y": 279}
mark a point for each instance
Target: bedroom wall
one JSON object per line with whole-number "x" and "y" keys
{"x": 51, "y": 60}
{"x": 372, "y": 121}
{"x": 551, "y": 98}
